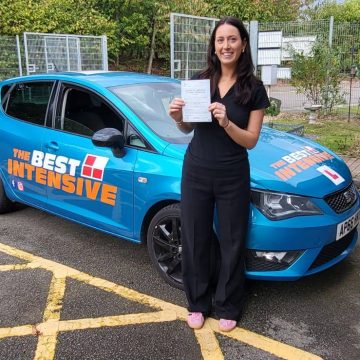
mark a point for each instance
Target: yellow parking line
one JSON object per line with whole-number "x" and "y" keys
{"x": 130, "y": 294}
{"x": 46, "y": 347}
{"x": 264, "y": 343}
{"x": 14, "y": 267}
{"x": 118, "y": 320}
{"x": 55, "y": 298}
{"x": 16, "y": 252}
{"x": 23, "y": 330}
{"x": 47, "y": 343}
{"x": 48, "y": 330}
{"x": 209, "y": 345}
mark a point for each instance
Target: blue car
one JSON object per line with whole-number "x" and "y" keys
{"x": 100, "y": 149}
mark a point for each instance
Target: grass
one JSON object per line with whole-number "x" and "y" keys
{"x": 344, "y": 109}
{"x": 337, "y": 134}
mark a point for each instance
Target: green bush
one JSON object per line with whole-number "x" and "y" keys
{"x": 274, "y": 108}
{"x": 317, "y": 76}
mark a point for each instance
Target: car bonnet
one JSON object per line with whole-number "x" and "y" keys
{"x": 289, "y": 163}
{"x": 283, "y": 162}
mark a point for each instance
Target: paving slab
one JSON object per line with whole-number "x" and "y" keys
{"x": 354, "y": 166}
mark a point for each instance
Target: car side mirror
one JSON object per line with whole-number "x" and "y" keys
{"x": 110, "y": 137}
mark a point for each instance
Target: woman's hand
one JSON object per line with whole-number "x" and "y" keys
{"x": 175, "y": 109}
{"x": 219, "y": 112}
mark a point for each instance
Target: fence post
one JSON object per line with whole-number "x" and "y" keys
{"x": 105, "y": 53}
{"x": 26, "y": 54}
{"x": 78, "y": 54}
{"x": 67, "y": 54}
{"x": 254, "y": 29}
{"x": 46, "y": 55}
{"x": 18, "y": 54}
{"x": 331, "y": 31}
{"x": 172, "y": 38}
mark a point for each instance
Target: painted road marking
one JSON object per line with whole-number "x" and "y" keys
{"x": 48, "y": 330}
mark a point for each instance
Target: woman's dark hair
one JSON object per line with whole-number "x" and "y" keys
{"x": 246, "y": 79}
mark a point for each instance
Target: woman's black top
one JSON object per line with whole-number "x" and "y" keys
{"x": 211, "y": 147}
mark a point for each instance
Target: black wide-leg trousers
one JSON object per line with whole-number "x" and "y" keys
{"x": 204, "y": 191}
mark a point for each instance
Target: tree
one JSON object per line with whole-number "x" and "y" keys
{"x": 62, "y": 16}
{"x": 143, "y": 25}
{"x": 261, "y": 10}
{"x": 346, "y": 28}
{"x": 349, "y": 10}
{"x": 132, "y": 27}
{"x": 54, "y": 16}
{"x": 160, "y": 38}
{"x": 317, "y": 76}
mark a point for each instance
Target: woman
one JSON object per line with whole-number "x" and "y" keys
{"x": 216, "y": 172}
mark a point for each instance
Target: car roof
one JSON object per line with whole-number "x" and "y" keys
{"x": 102, "y": 78}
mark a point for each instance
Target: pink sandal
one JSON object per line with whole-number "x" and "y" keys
{"x": 227, "y": 325}
{"x": 195, "y": 320}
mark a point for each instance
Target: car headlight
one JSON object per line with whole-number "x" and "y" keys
{"x": 277, "y": 206}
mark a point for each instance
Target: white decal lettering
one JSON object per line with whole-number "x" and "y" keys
{"x": 49, "y": 161}
{"x": 73, "y": 165}
{"x": 60, "y": 163}
{"x": 37, "y": 158}
{"x": 288, "y": 159}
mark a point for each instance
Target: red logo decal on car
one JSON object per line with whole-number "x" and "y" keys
{"x": 93, "y": 167}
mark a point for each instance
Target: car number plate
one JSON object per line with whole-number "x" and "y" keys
{"x": 346, "y": 226}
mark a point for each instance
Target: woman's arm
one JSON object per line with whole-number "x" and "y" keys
{"x": 245, "y": 137}
{"x": 248, "y": 137}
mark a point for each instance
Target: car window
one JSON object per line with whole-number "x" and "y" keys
{"x": 5, "y": 95}
{"x": 28, "y": 101}
{"x": 83, "y": 112}
{"x": 134, "y": 139}
{"x": 150, "y": 102}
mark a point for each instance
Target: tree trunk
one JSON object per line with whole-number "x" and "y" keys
{"x": 117, "y": 19}
{"x": 152, "y": 48}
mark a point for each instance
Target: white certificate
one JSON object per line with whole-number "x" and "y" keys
{"x": 196, "y": 95}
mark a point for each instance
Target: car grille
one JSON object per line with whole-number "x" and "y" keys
{"x": 331, "y": 251}
{"x": 260, "y": 264}
{"x": 343, "y": 199}
{"x": 253, "y": 264}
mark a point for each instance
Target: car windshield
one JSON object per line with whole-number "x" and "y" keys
{"x": 150, "y": 102}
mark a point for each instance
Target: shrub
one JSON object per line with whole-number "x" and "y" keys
{"x": 274, "y": 108}
{"x": 317, "y": 76}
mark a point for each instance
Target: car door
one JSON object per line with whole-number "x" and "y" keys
{"x": 23, "y": 128}
{"x": 88, "y": 183}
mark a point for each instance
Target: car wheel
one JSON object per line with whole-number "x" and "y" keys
{"x": 164, "y": 244}
{"x": 5, "y": 204}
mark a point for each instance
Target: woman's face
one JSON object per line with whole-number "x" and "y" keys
{"x": 228, "y": 44}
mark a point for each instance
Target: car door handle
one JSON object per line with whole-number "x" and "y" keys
{"x": 52, "y": 145}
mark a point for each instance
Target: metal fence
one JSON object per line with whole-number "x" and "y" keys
{"x": 270, "y": 44}
{"x": 189, "y": 38}
{"x": 45, "y": 53}
{"x": 59, "y": 52}
{"x": 301, "y": 37}
{"x": 10, "y": 57}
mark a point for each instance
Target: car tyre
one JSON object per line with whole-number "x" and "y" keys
{"x": 5, "y": 204}
{"x": 164, "y": 244}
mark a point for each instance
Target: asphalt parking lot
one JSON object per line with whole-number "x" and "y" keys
{"x": 69, "y": 292}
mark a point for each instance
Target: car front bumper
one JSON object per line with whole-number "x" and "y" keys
{"x": 311, "y": 240}
{"x": 310, "y": 261}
